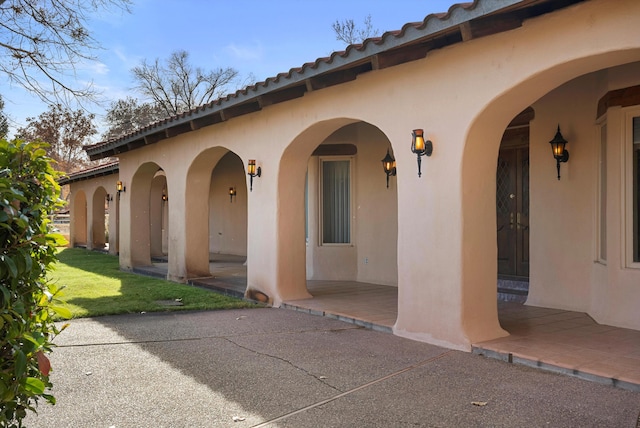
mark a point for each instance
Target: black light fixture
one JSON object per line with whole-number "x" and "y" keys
{"x": 420, "y": 147}
{"x": 120, "y": 187}
{"x": 389, "y": 166}
{"x": 165, "y": 198}
{"x": 232, "y": 193}
{"x": 253, "y": 171}
{"x": 559, "y": 152}
{"x": 109, "y": 198}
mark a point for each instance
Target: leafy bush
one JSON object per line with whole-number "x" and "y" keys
{"x": 28, "y": 195}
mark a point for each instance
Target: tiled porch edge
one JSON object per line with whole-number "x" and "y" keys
{"x": 560, "y": 368}
{"x": 344, "y": 318}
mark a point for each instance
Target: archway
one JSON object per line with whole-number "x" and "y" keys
{"x": 159, "y": 216}
{"x": 79, "y": 221}
{"x": 145, "y": 207}
{"x": 479, "y": 305}
{"x": 216, "y": 218}
{"x": 99, "y": 219}
{"x": 337, "y": 219}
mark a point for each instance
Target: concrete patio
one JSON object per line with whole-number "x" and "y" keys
{"x": 561, "y": 341}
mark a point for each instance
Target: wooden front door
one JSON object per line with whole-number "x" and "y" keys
{"x": 512, "y": 208}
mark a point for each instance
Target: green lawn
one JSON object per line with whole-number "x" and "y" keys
{"x": 93, "y": 285}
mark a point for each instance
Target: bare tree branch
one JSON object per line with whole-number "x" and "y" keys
{"x": 178, "y": 86}
{"x": 348, "y": 32}
{"x": 128, "y": 115}
{"x": 42, "y": 42}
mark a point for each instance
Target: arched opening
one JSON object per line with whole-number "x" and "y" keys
{"x": 560, "y": 221}
{"x": 146, "y": 209}
{"x": 99, "y": 219}
{"x": 159, "y": 217}
{"x": 79, "y": 221}
{"x": 216, "y": 221}
{"x": 338, "y": 223}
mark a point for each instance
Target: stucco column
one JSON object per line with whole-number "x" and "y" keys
{"x": 113, "y": 225}
{"x": 177, "y": 239}
{"x": 434, "y": 283}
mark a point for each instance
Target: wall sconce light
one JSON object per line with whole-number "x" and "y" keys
{"x": 232, "y": 193}
{"x": 559, "y": 152}
{"x": 109, "y": 198}
{"x": 165, "y": 198}
{"x": 120, "y": 187}
{"x": 420, "y": 147}
{"x": 389, "y": 166}
{"x": 252, "y": 171}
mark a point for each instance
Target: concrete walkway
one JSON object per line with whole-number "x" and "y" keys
{"x": 282, "y": 368}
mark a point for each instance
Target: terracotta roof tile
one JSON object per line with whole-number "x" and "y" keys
{"x": 432, "y": 24}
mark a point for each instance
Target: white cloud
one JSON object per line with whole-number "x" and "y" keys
{"x": 246, "y": 52}
{"x": 98, "y": 68}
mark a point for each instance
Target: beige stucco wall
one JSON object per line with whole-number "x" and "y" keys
{"x": 463, "y": 96}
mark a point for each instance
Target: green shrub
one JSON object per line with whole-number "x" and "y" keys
{"x": 28, "y": 194}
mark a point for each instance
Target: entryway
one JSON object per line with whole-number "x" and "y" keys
{"x": 512, "y": 210}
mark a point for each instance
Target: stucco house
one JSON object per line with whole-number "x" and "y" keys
{"x": 488, "y": 85}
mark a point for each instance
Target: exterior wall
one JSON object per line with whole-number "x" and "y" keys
{"x": 463, "y": 96}
{"x": 88, "y": 224}
{"x": 615, "y": 288}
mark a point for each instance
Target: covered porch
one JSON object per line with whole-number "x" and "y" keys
{"x": 566, "y": 342}
{"x": 561, "y": 341}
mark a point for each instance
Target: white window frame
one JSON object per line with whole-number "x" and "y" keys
{"x": 601, "y": 199}
{"x": 627, "y": 179}
{"x": 321, "y": 160}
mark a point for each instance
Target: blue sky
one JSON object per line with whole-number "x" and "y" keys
{"x": 263, "y": 38}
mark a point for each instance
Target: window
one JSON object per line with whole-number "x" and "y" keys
{"x": 336, "y": 201}
{"x": 635, "y": 177}
{"x": 602, "y": 196}
{"x": 631, "y": 174}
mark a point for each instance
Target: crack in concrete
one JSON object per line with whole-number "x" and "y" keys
{"x": 185, "y": 339}
{"x": 351, "y": 391}
{"x": 284, "y": 360}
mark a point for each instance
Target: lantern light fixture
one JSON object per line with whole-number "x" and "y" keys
{"x": 420, "y": 147}
{"x": 558, "y": 148}
{"x": 253, "y": 171}
{"x": 389, "y": 166}
{"x": 165, "y": 198}
{"x": 232, "y": 193}
{"x": 120, "y": 187}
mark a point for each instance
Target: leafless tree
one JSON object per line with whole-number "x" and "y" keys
{"x": 129, "y": 115}
{"x": 66, "y": 131}
{"x": 42, "y": 41}
{"x": 348, "y": 32}
{"x": 177, "y": 86}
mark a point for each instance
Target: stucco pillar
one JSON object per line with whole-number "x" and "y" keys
{"x": 177, "y": 225}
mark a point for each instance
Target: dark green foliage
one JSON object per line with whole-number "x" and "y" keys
{"x": 28, "y": 194}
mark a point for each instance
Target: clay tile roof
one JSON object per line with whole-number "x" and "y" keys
{"x": 356, "y": 58}
{"x": 108, "y": 168}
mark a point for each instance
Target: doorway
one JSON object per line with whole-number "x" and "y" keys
{"x": 512, "y": 205}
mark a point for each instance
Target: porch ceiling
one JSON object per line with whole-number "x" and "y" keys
{"x": 463, "y": 22}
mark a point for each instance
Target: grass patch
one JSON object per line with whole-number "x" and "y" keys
{"x": 94, "y": 285}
